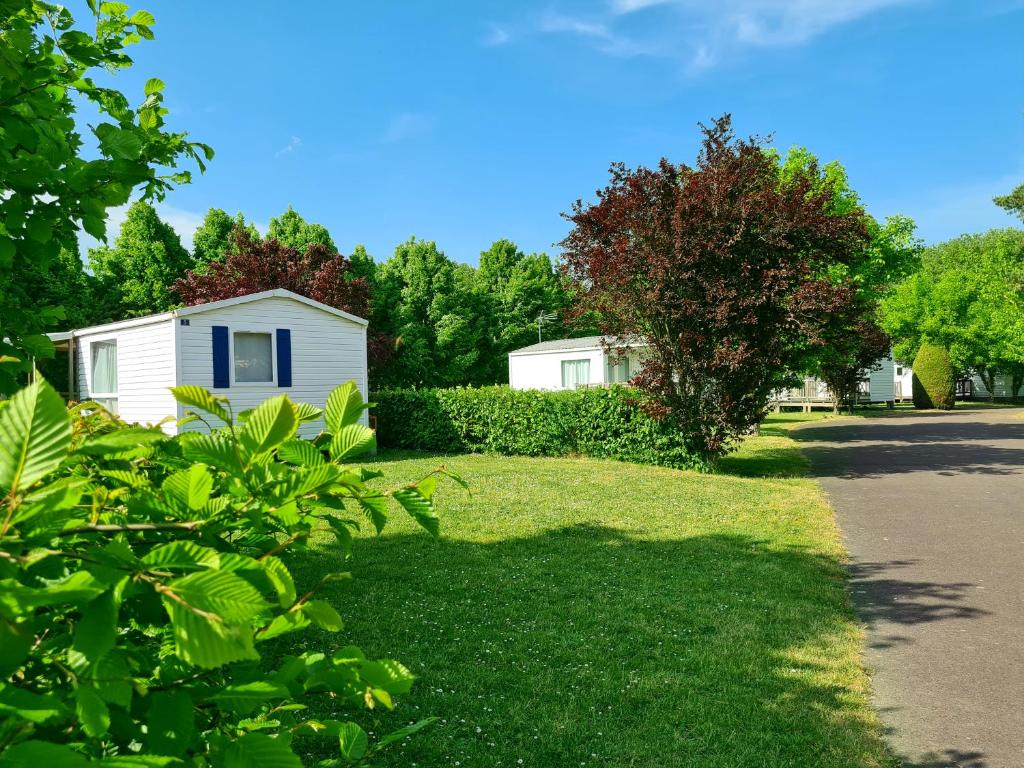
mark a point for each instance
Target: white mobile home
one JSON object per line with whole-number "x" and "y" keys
{"x": 572, "y": 363}
{"x": 247, "y": 349}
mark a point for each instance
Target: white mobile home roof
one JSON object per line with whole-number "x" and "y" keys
{"x": 186, "y": 311}
{"x": 572, "y": 345}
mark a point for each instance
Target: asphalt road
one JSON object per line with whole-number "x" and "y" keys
{"x": 931, "y": 508}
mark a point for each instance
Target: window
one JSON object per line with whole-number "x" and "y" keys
{"x": 254, "y": 357}
{"x": 103, "y": 367}
{"x": 899, "y": 370}
{"x": 618, "y": 370}
{"x": 575, "y": 373}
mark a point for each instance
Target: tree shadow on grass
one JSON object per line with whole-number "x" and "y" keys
{"x": 588, "y": 646}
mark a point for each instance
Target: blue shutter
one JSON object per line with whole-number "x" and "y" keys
{"x": 284, "y": 357}
{"x": 221, "y": 358}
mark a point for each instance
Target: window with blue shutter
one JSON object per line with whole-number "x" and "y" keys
{"x": 284, "y": 357}
{"x": 221, "y": 357}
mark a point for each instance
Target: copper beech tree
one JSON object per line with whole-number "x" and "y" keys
{"x": 256, "y": 265}
{"x": 726, "y": 269}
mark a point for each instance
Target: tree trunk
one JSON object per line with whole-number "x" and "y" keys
{"x": 989, "y": 377}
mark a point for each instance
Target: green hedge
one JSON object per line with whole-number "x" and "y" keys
{"x": 934, "y": 382}
{"x": 604, "y": 423}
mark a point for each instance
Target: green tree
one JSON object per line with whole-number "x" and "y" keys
{"x": 1013, "y": 202}
{"x": 516, "y": 288}
{"x": 52, "y": 181}
{"x": 136, "y": 275}
{"x": 430, "y": 306}
{"x": 292, "y": 230}
{"x": 212, "y": 240}
{"x": 848, "y": 340}
{"x": 967, "y": 297}
{"x": 363, "y": 264}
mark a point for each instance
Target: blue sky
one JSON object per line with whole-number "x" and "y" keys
{"x": 463, "y": 122}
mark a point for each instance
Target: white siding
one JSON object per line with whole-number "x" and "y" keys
{"x": 145, "y": 370}
{"x": 882, "y": 381}
{"x": 903, "y": 382}
{"x": 1004, "y": 386}
{"x": 543, "y": 370}
{"x": 326, "y": 351}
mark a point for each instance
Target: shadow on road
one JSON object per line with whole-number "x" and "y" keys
{"x": 847, "y": 460}
{"x": 950, "y": 758}
{"x": 881, "y": 597}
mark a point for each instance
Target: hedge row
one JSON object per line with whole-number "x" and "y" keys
{"x": 604, "y": 423}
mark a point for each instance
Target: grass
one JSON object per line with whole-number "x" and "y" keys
{"x": 579, "y": 612}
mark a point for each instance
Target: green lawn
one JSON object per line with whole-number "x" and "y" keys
{"x": 579, "y": 612}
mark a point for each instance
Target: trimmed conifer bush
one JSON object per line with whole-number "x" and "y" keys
{"x": 934, "y": 378}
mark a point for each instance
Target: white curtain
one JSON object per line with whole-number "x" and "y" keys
{"x": 618, "y": 370}
{"x": 104, "y": 367}
{"x": 252, "y": 357}
{"x": 575, "y": 373}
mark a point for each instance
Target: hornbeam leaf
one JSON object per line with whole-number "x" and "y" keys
{"x": 419, "y": 507}
{"x": 352, "y": 741}
{"x": 306, "y": 412}
{"x": 352, "y": 440}
{"x": 203, "y": 399}
{"x": 35, "y": 433}
{"x": 33, "y": 754}
{"x": 208, "y": 644}
{"x": 323, "y": 615}
{"x": 190, "y": 487}
{"x": 344, "y": 406}
{"x": 301, "y": 452}
{"x": 215, "y": 450}
{"x": 257, "y": 750}
{"x": 38, "y": 708}
{"x": 123, "y": 439}
{"x": 376, "y": 508}
{"x": 228, "y": 596}
{"x": 243, "y": 698}
{"x": 92, "y": 711}
{"x": 388, "y": 674}
{"x": 268, "y": 426}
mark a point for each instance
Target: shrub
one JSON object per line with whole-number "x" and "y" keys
{"x": 604, "y": 423}
{"x": 141, "y": 574}
{"x": 934, "y": 383}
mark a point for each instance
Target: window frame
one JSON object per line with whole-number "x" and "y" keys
{"x": 232, "y": 330}
{"x": 94, "y": 394}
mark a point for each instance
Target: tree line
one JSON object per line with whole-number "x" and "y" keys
{"x": 433, "y": 321}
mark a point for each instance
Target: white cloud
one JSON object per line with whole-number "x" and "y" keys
{"x": 600, "y": 34}
{"x": 407, "y": 125}
{"x": 290, "y": 147}
{"x": 629, "y": 6}
{"x": 701, "y": 32}
{"x": 497, "y": 36}
{"x": 791, "y": 22}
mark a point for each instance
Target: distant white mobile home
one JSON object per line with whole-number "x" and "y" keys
{"x": 248, "y": 349}
{"x": 572, "y": 363}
